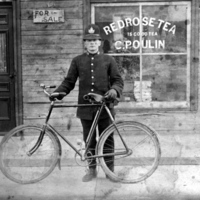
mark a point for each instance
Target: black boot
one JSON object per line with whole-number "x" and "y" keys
{"x": 91, "y": 173}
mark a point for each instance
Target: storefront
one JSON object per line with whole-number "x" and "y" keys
{"x": 155, "y": 44}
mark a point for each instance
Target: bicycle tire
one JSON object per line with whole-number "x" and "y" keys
{"x": 15, "y": 163}
{"x": 144, "y": 152}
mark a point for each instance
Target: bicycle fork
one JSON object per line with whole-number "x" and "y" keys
{"x": 38, "y": 143}
{"x": 40, "y": 138}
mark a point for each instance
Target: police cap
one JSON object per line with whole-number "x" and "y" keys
{"x": 92, "y": 32}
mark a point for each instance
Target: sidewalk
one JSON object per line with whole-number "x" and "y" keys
{"x": 178, "y": 182}
{"x": 177, "y": 178}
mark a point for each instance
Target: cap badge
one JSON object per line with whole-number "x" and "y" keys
{"x": 91, "y": 30}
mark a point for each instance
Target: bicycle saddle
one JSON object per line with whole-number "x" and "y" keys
{"x": 99, "y": 98}
{"x": 93, "y": 96}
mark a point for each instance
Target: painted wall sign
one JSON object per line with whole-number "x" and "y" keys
{"x": 48, "y": 16}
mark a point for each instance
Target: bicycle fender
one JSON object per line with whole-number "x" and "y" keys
{"x": 59, "y": 145}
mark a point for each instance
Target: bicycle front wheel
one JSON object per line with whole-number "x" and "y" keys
{"x": 17, "y": 165}
{"x": 134, "y": 157}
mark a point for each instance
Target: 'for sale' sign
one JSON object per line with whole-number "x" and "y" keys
{"x": 48, "y": 16}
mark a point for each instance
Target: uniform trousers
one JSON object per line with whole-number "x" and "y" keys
{"x": 109, "y": 144}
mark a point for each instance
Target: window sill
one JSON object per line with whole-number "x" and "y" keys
{"x": 153, "y": 105}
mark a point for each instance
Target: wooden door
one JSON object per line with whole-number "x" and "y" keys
{"x": 7, "y": 73}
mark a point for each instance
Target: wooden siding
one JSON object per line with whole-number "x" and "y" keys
{"x": 47, "y": 50}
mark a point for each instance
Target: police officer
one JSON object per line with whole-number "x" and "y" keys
{"x": 97, "y": 73}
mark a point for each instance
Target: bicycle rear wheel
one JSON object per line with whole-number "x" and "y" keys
{"x": 17, "y": 165}
{"x": 139, "y": 162}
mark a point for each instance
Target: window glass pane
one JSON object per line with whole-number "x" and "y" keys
{"x": 167, "y": 77}
{"x": 129, "y": 67}
{"x": 165, "y": 28}
{"x": 3, "y": 67}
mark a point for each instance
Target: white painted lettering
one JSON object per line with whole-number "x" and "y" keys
{"x": 151, "y": 21}
{"x": 145, "y": 21}
{"x": 121, "y": 24}
{"x": 136, "y": 44}
{"x": 118, "y": 45}
{"x": 107, "y": 30}
{"x": 160, "y": 23}
{"x": 173, "y": 29}
{"x": 128, "y": 22}
{"x": 136, "y": 21}
{"x": 127, "y": 44}
{"x": 165, "y": 27}
{"x": 161, "y": 43}
{"x": 113, "y": 27}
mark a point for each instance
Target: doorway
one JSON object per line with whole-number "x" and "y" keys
{"x": 7, "y": 72}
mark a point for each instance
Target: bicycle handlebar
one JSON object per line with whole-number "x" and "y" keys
{"x": 53, "y": 95}
{"x": 93, "y": 97}
{"x": 43, "y": 86}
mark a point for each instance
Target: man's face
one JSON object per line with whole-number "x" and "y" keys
{"x": 92, "y": 46}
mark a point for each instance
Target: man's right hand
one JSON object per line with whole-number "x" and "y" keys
{"x": 57, "y": 95}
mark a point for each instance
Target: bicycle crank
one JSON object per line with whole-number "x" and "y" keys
{"x": 80, "y": 160}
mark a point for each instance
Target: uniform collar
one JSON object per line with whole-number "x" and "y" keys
{"x": 90, "y": 54}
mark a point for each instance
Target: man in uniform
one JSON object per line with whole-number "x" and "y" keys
{"x": 97, "y": 73}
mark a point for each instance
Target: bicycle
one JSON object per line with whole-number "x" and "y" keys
{"x": 30, "y": 153}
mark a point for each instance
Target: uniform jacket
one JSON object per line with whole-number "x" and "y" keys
{"x": 97, "y": 73}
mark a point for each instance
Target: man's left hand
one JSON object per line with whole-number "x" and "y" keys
{"x": 111, "y": 94}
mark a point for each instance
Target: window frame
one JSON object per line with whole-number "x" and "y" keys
{"x": 193, "y": 57}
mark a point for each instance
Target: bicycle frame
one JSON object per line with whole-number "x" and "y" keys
{"x": 91, "y": 132}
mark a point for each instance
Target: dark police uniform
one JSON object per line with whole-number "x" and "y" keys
{"x": 97, "y": 73}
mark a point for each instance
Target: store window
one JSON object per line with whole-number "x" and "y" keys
{"x": 151, "y": 43}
